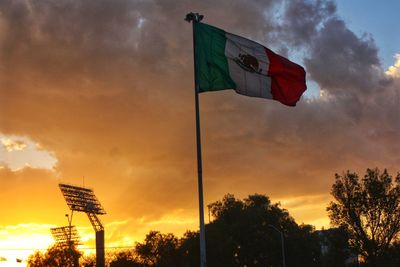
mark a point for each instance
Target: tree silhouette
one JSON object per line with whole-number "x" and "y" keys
{"x": 88, "y": 260}
{"x": 125, "y": 258}
{"x": 241, "y": 235}
{"x": 55, "y": 256}
{"x": 158, "y": 249}
{"x": 369, "y": 210}
{"x": 37, "y": 259}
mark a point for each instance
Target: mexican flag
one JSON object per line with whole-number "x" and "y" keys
{"x": 227, "y": 61}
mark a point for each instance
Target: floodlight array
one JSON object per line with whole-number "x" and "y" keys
{"x": 65, "y": 235}
{"x": 81, "y": 199}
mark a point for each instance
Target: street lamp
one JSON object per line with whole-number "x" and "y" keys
{"x": 283, "y": 244}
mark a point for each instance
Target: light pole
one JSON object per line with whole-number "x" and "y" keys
{"x": 283, "y": 244}
{"x": 70, "y": 242}
{"x": 69, "y": 225}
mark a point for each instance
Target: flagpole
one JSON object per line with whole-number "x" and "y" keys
{"x": 195, "y": 18}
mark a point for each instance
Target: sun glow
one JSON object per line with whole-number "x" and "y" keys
{"x": 308, "y": 209}
{"x": 17, "y": 242}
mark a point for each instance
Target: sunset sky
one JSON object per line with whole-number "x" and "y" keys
{"x": 100, "y": 93}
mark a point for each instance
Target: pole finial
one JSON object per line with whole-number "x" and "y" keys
{"x": 195, "y": 17}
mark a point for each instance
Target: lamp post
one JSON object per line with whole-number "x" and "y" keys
{"x": 69, "y": 225}
{"x": 282, "y": 240}
{"x": 70, "y": 242}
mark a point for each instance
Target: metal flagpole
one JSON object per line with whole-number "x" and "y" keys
{"x": 195, "y": 18}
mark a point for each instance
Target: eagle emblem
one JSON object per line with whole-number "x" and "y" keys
{"x": 248, "y": 63}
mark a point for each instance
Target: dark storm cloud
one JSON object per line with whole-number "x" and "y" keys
{"x": 302, "y": 19}
{"x": 341, "y": 61}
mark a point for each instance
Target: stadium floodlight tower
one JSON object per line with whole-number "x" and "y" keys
{"x": 82, "y": 199}
{"x": 67, "y": 237}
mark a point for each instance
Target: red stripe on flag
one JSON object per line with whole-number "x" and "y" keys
{"x": 288, "y": 79}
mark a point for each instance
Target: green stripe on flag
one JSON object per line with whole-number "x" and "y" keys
{"x": 211, "y": 63}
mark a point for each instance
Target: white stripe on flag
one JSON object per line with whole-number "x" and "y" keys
{"x": 248, "y": 83}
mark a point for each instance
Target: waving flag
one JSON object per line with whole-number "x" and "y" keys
{"x": 227, "y": 61}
